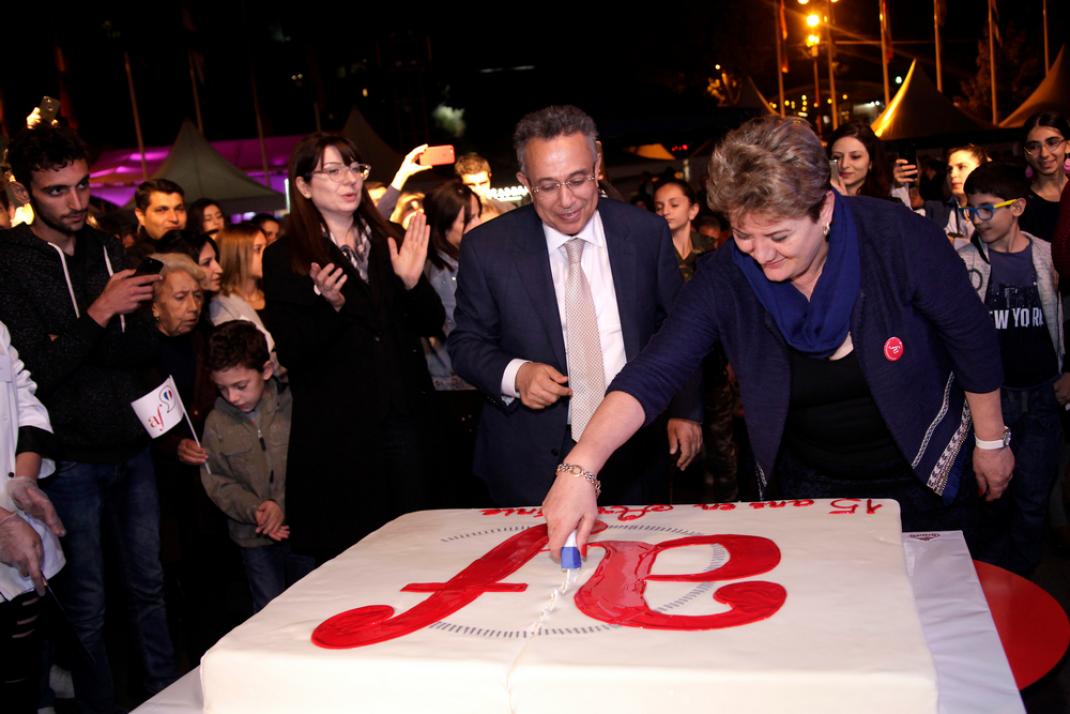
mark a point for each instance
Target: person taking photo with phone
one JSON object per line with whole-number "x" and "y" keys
{"x": 71, "y": 306}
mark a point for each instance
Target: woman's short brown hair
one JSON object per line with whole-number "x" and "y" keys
{"x": 770, "y": 165}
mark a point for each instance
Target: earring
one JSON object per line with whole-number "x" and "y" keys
{"x": 825, "y": 230}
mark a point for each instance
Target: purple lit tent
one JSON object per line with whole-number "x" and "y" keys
{"x": 199, "y": 169}
{"x": 116, "y": 173}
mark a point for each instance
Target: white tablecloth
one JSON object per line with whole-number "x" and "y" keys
{"x": 972, "y": 673}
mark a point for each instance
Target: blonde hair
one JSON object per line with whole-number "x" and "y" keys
{"x": 236, "y": 256}
{"x": 770, "y": 165}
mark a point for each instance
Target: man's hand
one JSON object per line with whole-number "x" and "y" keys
{"x": 28, "y": 497}
{"x": 993, "y": 469}
{"x": 190, "y": 453}
{"x": 685, "y": 439}
{"x": 540, "y": 385}
{"x": 20, "y": 547}
{"x": 268, "y": 517}
{"x": 123, "y": 294}
{"x": 571, "y": 505}
{"x": 329, "y": 281}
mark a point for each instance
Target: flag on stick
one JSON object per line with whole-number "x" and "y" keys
{"x": 160, "y": 410}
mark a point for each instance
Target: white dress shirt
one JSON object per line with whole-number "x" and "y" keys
{"x": 596, "y": 267}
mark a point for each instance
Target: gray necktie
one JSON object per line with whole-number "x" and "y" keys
{"x": 586, "y": 375}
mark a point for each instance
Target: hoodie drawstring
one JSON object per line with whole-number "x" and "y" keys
{"x": 111, "y": 272}
{"x": 67, "y": 277}
{"x": 70, "y": 286}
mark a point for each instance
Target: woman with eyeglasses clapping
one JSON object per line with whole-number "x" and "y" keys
{"x": 347, "y": 302}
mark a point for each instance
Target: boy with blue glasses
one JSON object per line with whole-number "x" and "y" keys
{"x": 1013, "y": 275}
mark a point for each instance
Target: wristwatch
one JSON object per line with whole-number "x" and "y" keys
{"x": 993, "y": 444}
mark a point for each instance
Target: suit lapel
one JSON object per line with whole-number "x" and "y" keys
{"x": 533, "y": 268}
{"x": 622, "y": 261}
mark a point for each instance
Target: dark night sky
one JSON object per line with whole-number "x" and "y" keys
{"x": 621, "y": 67}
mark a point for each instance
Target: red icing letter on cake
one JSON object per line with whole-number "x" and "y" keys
{"x": 376, "y": 623}
{"x": 614, "y": 594}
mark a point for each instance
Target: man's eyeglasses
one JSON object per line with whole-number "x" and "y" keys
{"x": 1032, "y": 148}
{"x": 552, "y": 187}
{"x": 339, "y": 172}
{"x": 984, "y": 212}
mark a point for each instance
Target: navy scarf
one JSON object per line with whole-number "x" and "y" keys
{"x": 819, "y": 326}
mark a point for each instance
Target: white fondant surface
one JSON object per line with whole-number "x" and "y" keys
{"x": 847, "y": 637}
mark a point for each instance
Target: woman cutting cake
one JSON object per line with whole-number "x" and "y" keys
{"x": 861, "y": 350}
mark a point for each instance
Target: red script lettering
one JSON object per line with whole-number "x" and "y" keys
{"x": 614, "y": 594}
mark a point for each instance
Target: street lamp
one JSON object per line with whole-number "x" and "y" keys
{"x": 813, "y": 41}
{"x": 832, "y": 65}
{"x": 813, "y": 21}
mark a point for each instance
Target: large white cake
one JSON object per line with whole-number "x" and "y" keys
{"x": 797, "y": 606}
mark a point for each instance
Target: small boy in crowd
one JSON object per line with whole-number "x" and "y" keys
{"x": 1013, "y": 275}
{"x": 246, "y": 436}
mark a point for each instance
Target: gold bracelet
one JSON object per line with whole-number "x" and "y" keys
{"x": 579, "y": 471}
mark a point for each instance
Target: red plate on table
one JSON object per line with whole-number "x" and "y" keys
{"x": 1032, "y": 626}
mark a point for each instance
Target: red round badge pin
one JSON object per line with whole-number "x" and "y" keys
{"x": 893, "y": 349}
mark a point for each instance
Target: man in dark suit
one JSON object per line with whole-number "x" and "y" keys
{"x": 552, "y": 300}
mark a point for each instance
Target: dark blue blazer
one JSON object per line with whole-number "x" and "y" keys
{"x": 914, "y": 288}
{"x": 506, "y": 309}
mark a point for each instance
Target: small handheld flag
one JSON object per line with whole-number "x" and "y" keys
{"x": 160, "y": 410}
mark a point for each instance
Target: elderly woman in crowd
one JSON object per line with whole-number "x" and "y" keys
{"x": 193, "y": 534}
{"x": 348, "y": 303}
{"x": 862, "y": 352}
{"x": 176, "y": 308}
